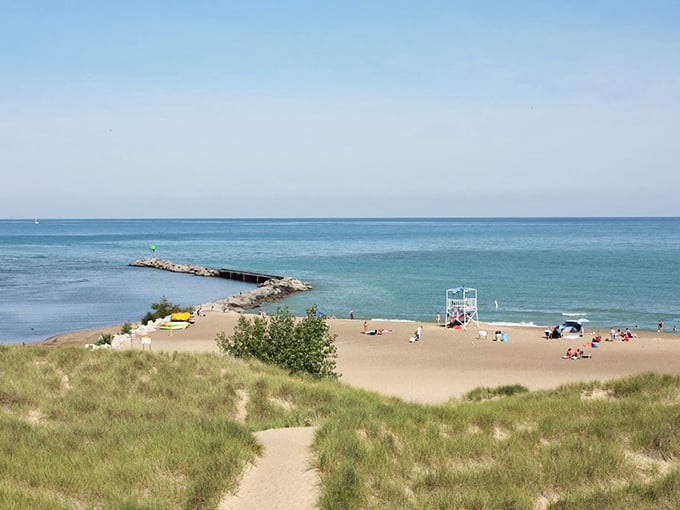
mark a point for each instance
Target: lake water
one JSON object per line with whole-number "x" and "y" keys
{"x": 63, "y": 275}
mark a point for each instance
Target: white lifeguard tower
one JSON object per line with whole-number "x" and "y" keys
{"x": 461, "y": 307}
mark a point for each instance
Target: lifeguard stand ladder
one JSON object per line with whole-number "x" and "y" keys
{"x": 461, "y": 307}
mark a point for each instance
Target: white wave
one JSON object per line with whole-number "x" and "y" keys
{"x": 516, "y": 324}
{"x": 573, "y": 314}
{"x": 393, "y": 320}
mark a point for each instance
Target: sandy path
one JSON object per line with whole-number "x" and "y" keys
{"x": 282, "y": 478}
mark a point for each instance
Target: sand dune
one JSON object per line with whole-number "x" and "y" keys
{"x": 444, "y": 364}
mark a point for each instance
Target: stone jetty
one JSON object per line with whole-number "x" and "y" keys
{"x": 167, "y": 265}
{"x": 269, "y": 289}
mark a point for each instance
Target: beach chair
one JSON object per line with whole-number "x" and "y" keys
{"x": 481, "y": 334}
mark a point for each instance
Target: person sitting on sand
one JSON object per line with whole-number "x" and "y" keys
{"x": 573, "y": 354}
{"x": 378, "y": 331}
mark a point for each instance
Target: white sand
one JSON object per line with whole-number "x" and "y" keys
{"x": 282, "y": 478}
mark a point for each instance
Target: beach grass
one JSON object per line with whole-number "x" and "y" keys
{"x": 131, "y": 429}
{"x": 582, "y": 446}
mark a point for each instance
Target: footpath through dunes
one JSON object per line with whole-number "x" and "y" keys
{"x": 283, "y": 478}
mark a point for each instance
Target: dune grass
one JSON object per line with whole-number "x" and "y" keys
{"x": 129, "y": 429}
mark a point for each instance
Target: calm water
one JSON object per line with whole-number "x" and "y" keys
{"x": 61, "y": 275}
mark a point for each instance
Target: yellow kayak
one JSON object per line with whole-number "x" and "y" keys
{"x": 174, "y": 325}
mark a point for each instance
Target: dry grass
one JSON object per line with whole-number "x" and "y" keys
{"x": 102, "y": 429}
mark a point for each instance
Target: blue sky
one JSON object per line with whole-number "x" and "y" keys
{"x": 283, "y": 109}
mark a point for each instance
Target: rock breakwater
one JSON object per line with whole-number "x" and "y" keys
{"x": 167, "y": 265}
{"x": 272, "y": 289}
{"x": 268, "y": 292}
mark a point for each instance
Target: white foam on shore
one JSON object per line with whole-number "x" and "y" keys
{"x": 391, "y": 320}
{"x": 516, "y": 324}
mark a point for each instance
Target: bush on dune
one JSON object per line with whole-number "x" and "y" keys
{"x": 303, "y": 346}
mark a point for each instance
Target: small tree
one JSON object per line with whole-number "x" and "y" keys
{"x": 160, "y": 310}
{"x": 299, "y": 346}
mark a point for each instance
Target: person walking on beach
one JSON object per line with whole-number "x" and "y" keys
{"x": 418, "y": 333}
{"x": 659, "y": 327}
{"x": 351, "y": 314}
{"x": 365, "y": 327}
{"x": 437, "y": 318}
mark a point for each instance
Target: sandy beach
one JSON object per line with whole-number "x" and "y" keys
{"x": 444, "y": 364}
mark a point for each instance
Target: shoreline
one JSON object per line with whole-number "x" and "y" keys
{"x": 446, "y": 363}
{"x": 75, "y": 336}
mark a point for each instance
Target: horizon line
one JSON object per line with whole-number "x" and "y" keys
{"x": 155, "y": 218}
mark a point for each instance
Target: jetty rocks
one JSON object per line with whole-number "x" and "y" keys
{"x": 268, "y": 292}
{"x": 270, "y": 288}
{"x": 167, "y": 265}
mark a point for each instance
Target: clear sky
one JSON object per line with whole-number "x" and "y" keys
{"x": 350, "y": 108}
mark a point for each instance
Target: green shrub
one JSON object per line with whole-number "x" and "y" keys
{"x": 105, "y": 338}
{"x": 126, "y": 329}
{"x": 162, "y": 309}
{"x": 302, "y": 346}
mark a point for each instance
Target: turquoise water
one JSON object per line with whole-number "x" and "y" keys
{"x": 61, "y": 275}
